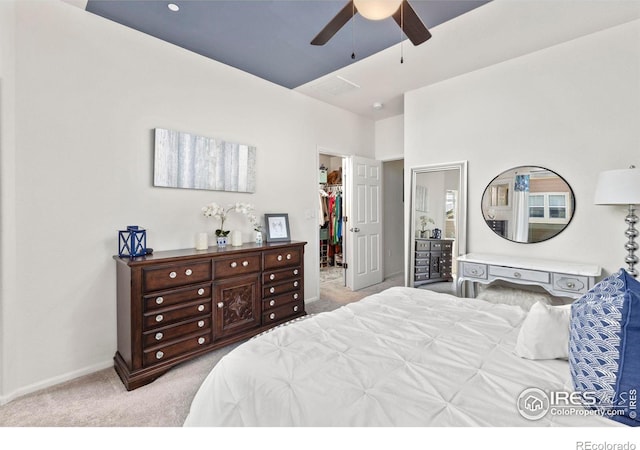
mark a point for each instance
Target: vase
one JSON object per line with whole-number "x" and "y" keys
{"x": 221, "y": 241}
{"x": 259, "y": 237}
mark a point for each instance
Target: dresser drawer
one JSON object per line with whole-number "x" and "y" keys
{"x": 422, "y": 269}
{"x": 169, "y": 298}
{"x": 238, "y": 265}
{"x": 280, "y": 288}
{"x": 421, "y": 276}
{"x": 422, "y": 255}
{"x": 167, "y": 316}
{"x": 570, "y": 283}
{"x": 274, "y": 259}
{"x": 283, "y": 312}
{"x": 281, "y": 300}
{"x": 422, "y": 262}
{"x": 167, "y": 334}
{"x": 423, "y": 245}
{"x": 151, "y": 357}
{"x": 474, "y": 270}
{"x": 280, "y": 275}
{"x": 436, "y": 246}
{"x": 164, "y": 277}
{"x": 519, "y": 274}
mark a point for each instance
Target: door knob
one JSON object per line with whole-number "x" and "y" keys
{"x": 355, "y": 230}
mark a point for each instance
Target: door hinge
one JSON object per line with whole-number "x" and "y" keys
{"x": 344, "y": 265}
{"x": 345, "y": 219}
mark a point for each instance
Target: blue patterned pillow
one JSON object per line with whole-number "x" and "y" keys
{"x": 604, "y": 346}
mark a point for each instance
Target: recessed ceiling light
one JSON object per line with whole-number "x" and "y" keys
{"x": 377, "y": 105}
{"x": 173, "y": 7}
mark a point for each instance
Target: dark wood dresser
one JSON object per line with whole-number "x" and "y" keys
{"x": 433, "y": 260}
{"x": 176, "y": 305}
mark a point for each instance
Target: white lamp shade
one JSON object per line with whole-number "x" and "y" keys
{"x": 377, "y": 9}
{"x": 618, "y": 187}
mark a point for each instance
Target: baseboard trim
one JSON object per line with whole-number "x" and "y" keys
{"x": 311, "y": 300}
{"x": 4, "y": 399}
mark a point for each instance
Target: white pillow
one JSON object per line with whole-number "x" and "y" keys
{"x": 512, "y": 296}
{"x": 544, "y": 334}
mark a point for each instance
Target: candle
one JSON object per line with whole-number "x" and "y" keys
{"x": 236, "y": 238}
{"x": 202, "y": 241}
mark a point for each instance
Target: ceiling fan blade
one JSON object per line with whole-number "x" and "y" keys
{"x": 334, "y": 25}
{"x": 411, "y": 24}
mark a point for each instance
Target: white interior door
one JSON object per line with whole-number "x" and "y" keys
{"x": 364, "y": 224}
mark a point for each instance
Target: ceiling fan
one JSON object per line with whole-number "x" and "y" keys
{"x": 401, "y": 11}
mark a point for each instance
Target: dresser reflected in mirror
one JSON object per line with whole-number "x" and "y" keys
{"x": 528, "y": 204}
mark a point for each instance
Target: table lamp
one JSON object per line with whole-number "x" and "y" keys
{"x": 622, "y": 187}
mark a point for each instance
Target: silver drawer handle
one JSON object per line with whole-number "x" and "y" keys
{"x": 159, "y": 355}
{"x": 279, "y": 257}
{"x": 200, "y": 308}
{"x": 234, "y": 265}
{"x": 200, "y": 291}
{"x": 571, "y": 285}
{"x": 295, "y": 296}
{"x": 272, "y": 316}
{"x": 201, "y": 340}
{"x": 288, "y": 255}
{"x": 245, "y": 263}
{"x": 295, "y": 284}
{"x": 474, "y": 271}
{"x": 220, "y": 305}
{"x": 159, "y": 318}
{"x": 159, "y": 336}
{"x": 517, "y": 274}
{"x": 272, "y": 302}
{"x": 272, "y": 277}
{"x": 188, "y": 272}
{"x": 272, "y": 290}
{"x": 295, "y": 272}
{"x": 173, "y": 275}
{"x": 200, "y": 323}
{"x": 295, "y": 308}
{"x": 159, "y": 300}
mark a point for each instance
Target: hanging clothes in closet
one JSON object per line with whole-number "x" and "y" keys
{"x": 331, "y": 206}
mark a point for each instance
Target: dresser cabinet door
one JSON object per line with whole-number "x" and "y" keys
{"x": 236, "y": 305}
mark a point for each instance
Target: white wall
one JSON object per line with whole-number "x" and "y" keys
{"x": 393, "y": 211}
{"x": 7, "y": 167}
{"x": 573, "y": 108}
{"x": 389, "y": 138}
{"x": 88, "y": 94}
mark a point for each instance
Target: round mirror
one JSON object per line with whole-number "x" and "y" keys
{"x": 528, "y": 204}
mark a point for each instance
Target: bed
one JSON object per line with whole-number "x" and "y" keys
{"x": 403, "y": 357}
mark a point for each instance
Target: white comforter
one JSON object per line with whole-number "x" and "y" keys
{"x": 404, "y": 357}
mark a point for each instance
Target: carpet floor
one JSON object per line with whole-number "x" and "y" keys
{"x": 101, "y": 400}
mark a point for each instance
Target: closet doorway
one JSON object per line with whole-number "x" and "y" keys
{"x": 332, "y": 232}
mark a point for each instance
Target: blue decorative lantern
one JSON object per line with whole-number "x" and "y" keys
{"x": 132, "y": 242}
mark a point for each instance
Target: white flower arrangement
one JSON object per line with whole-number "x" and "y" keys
{"x": 219, "y": 212}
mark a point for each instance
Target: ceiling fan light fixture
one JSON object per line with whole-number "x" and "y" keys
{"x": 377, "y": 9}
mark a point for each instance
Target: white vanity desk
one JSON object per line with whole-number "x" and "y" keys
{"x": 563, "y": 279}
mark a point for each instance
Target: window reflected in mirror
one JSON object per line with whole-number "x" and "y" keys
{"x": 528, "y": 204}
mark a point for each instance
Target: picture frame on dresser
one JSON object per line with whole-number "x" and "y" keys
{"x": 277, "y": 226}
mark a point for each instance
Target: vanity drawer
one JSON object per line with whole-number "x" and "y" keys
{"x": 280, "y": 288}
{"x": 283, "y": 312}
{"x": 282, "y": 258}
{"x": 171, "y": 315}
{"x": 151, "y": 357}
{"x": 570, "y": 283}
{"x": 279, "y": 275}
{"x": 280, "y": 300}
{"x": 519, "y": 274}
{"x": 238, "y": 265}
{"x": 164, "y": 277}
{"x": 159, "y": 336}
{"x": 168, "y": 298}
{"x": 474, "y": 270}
